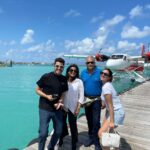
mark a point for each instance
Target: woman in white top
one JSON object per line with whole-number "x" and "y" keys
{"x": 73, "y": 99}
{"x": 114, "y": 111}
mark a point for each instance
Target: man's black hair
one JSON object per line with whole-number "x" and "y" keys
{"x": 59, "y": 59}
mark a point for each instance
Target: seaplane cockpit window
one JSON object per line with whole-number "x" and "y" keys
{"x": 116, "y": 56}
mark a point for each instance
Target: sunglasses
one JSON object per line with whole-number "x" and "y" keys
{"x": 73, "y": 70}
{"x": 90, "y": 62}
{"x": 105, "y": 74}
{"x": 58, "y": 66}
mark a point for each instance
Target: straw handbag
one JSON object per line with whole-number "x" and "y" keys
{"x": 110, "y": 139}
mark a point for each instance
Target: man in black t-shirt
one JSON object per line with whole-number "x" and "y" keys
{"x": 51, "y": 87}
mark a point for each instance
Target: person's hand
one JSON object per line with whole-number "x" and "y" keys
{"x": 58, "y": 105}
{"x": 103, "y": 105}
{"x": 60, "y": 101}
{"x": 77, "y": 111}
{"x": 111, "y": 125}
{"x": 49, "y": 97}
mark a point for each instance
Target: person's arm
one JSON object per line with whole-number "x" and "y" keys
{"x": 108, "y": 98}
{"x": 42, "y": 94}
{"x": 61, "y": 100}
{"x": 62, "y": 97}
{"x": 77, "y": 110}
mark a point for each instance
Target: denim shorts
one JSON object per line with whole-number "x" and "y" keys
{"x": 119, "y": 116}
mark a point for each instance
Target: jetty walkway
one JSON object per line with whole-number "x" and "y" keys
{"x": 135, "y": 134}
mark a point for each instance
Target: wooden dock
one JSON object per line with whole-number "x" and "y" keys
{"x": 136, "y": 130}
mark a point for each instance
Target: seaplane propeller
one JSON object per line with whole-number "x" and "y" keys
{"x": 101, "y": 57}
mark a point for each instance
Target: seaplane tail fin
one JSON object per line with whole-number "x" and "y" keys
{"x": 144, "y": 54}
{"x": 142, "y": 50}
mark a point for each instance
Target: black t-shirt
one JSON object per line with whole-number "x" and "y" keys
{"x": 51, "y": 84}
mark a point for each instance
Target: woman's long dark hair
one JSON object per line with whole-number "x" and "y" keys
{"x": 77, "y": 69}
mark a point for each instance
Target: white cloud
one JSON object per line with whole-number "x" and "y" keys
{"x": 72, "y": 13}
{"x": 96, "y": 19}
{"x": 48, "y": 46}
{"x": 136, "y": 11}
{"x": 125, "y": 45}
{"x": 106, "y": 25}
{"x": 140, "y": 11}
{"x": 88, "y": 45}
{"x": 37, "y": 47}
{"x": 7, "y": 43}
{"x": 109, "y": 49}
{"x": 28, "y": 37}
{"x": 134, "y": 32}
{"x": 99, "y": 41}
{"x": 114, "y": 21}
{"x": 83, "y": 46}
{"x": 104, "y": 30}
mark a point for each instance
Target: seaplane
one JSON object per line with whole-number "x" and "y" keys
{"x": 132, "y": 65}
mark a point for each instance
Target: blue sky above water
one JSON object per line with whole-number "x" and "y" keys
{"x": 40, "y": 30}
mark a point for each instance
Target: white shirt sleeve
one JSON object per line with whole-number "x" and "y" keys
{"x": 107, "y": 89}
{"x": 81, "y": 92}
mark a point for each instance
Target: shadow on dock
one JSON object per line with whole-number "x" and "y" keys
{"x": 124, "y": 145}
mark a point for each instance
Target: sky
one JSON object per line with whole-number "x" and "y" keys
{"x": 41, "y": 30}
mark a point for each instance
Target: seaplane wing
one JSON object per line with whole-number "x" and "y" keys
{"x": 98, "y": 57}
{"x": 135, "y": 58}
{"x": 76, "y": 56}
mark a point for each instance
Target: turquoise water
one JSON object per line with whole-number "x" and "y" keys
{"x": 19, "y": 104}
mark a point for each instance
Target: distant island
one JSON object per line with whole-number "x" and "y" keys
{"x": 7, "y": 63}
{"x": 10, "y": 63}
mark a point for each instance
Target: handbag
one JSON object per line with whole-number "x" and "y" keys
{"x": 110, "y": 139}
